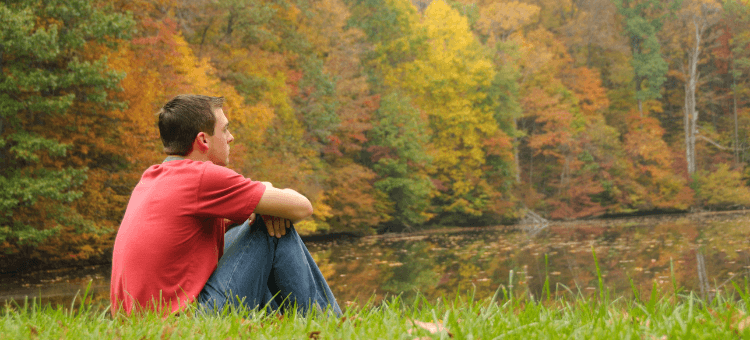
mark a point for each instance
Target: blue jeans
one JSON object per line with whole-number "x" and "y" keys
{"x": 260, "y": 270}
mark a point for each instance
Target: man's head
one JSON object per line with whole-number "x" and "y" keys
{"x": 195, "y": 125}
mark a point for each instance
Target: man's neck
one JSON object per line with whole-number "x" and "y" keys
{"x": 195, "y": 155}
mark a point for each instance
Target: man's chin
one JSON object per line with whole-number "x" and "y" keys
{"x": 219, "y": 162}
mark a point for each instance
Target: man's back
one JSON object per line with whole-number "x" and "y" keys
{"x": 172, "y": 234}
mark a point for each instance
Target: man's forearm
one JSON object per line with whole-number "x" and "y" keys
{"x": 284, "y": 203}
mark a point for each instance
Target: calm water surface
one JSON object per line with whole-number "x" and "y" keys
{"x": 665, "y": 251}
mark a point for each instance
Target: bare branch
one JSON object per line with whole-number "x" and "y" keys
{"x": 717, "y": 144}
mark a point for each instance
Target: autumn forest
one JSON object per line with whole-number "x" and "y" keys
{"x": 386, "y": 114}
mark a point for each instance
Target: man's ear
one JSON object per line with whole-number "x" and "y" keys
{"x": 201, "y": 142}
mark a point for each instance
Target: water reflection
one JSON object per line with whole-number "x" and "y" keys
{"x": 662, "y": 251}
{"x": 57, "y": 286}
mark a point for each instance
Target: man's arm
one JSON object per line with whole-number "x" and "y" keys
{"x": 281, "y": 207}
{"x": 284, "y": 203}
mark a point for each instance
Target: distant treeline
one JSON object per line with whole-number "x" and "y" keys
{"x": 385, "y": 113}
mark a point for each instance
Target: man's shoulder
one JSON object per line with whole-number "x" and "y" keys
{"x": 186, "y": 168}
{"x": 178, "y": 168}
{"x": 183, "y": 165}
{"x": 209, "y": 166}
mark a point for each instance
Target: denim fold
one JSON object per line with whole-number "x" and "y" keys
{"x": 258, "y": 270}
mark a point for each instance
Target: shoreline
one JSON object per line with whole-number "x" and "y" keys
{"x": 27, "y": 268}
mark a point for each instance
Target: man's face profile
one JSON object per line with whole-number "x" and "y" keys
{"x": 218, "y": 144}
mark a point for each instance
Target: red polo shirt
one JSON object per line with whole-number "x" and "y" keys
{"x": 172, "y": 235}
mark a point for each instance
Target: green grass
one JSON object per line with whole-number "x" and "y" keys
{"x": 508, "y": 314}
{"x": 579, "y": 317}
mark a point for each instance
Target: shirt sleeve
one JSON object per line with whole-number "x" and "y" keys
{"x": 224, "y": 193}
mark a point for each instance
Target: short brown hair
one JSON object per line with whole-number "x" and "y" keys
{"x": 181, "y": 118}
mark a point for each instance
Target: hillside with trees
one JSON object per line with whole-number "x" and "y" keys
{"x": 386, "y": 114}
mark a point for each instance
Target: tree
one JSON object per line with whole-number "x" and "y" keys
{"x": 354, "y": 202}
{"x": 721, "y": 188}
{"x": 593, "y": 31}
{"x": 735, "y": 53}
{"x": 51, "y": 86}
{"x": 500, "y": 23}
{"x": 643, "y": 20}
{"x": 450, "y": 83}
{"x": 396, "y": 143}
{"x": 698, "y": 16}
{"x": 655, "y": 184}
{"x": 500, "y": 20}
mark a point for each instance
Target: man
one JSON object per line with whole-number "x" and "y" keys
{"x": 171, "y": 249}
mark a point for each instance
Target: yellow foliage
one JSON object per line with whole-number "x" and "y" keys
{"x": 143, "y": 91}
{"x": 446, "y": 84}
{"x": 321, "y": 212}
{"x": 542, "y": 58}
{"x": 307, "y": 227}
{"x": 200, "y": 77}
{"x": 146, "y": 87}
{"x": 722, "y": 188}
{"x": 271, "y": 68}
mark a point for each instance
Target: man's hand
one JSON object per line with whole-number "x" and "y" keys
{"x": 276, "y": 225}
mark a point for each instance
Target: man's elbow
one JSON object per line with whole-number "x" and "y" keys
{"x": 304, "y": 211}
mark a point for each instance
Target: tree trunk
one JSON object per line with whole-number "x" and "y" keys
{"x": 638, "y": 81}
{"x": 734, "y": 99}
{"x": 203, "y": 37}
{"x": 230, "y": 25}
{"x": 701, "y": 22}
{"x": 531, "y": 160}
{"x": 691, "y": 114}
{"x": 688, "y": 152}
{"x": 515, "y": 153}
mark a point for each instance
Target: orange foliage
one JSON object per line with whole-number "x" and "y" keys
{"x": 354, "y": 203}
{"x": 569, "y": 136}
{"x": 658, "y": 186}
{"x": 587, "y": 86}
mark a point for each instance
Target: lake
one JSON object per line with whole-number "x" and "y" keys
{"x": 702, "y": 252}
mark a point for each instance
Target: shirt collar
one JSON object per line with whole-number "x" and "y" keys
{"x": 172, "y": 158}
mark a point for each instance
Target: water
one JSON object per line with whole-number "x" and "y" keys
{"x": 664, "y": 251}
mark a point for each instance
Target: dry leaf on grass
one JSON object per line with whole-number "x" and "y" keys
{"x": 744, "y": 321}
{"x": 431, "y": 327}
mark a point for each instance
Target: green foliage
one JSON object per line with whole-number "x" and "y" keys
{"x": 396, "y": 142}
{"x": 391, "y": 26}
{"x": 247, "y": 21}
{"x": 643, "y": 21}
{"x": 504, "y": 91}
{"x": 382, "y": 21}
{"x": 26, "y": 146}
{"x": 47, "y": 79}
{"x": 316, "y": 103}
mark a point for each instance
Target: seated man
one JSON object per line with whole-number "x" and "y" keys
{"x": 171, "y": 248}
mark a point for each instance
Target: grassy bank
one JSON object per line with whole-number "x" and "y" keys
{"x": 681, "y": 316}
{"x": 512, "y": 313}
